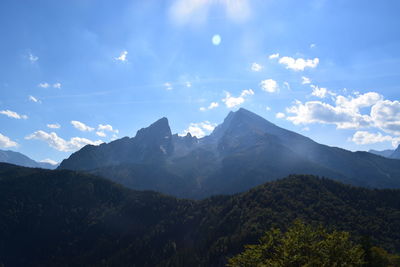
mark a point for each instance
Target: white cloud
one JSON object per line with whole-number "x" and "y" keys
{"x": 287, "y": 85}
{"x": 269, "y": 86}
{"x": 256, "y": 67}
{"x": 13, "y": 114}
{"x": 54, "y": 126}
{"x": 231, "y": 101}
{"x": 366, "y": 138}
{"x": 268, "y": 108}
{"x": 360, "y": 101}
{"x": 188, "y": 84}
{"x": 44, "y": 85}
{"x": 320, "y": 91}
{"x": 313, "y": 45}
{"x": 211, "y": 106}
{"x": 208, "y": 126}
{"x": 368, "y": 110}
{"x": 280, "y": 115}
{"x": 123, "y": 56}
{"x": 298, "y": 64}
{"x": 107, "y": 127}
{"x": 101, "y": 129}
{"x": 305, "y": 80}
{"x": 81, "y": 126}
{"x": 47, "y": 85}
{"x": 344, "y": 114}
{"x": 273, "y": 56}
{"x": 34, "y": 99}
{"x": 57, "y": 85}
{"x": 101, "y": 134}
{"x": 58, "y": 143}
{"x": 194, "y": 130}
{"x": 386, "y": 115}
{"x": 33, "y": 58}
{"x": 6, "y": 142}
{"x": 199, "y": 129}
{"x": 319, "y": 112}
{"x": 50, "y": 161}
{"x": 168, "y": 86}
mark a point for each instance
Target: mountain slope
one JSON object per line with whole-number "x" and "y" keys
{"x": 389, "y": 153}
{"x": 17, "y": 158}
{"x": 396, "y": 153}
{"x": 150, "y": 145}
{"x": 67, "y": 218}
{"x": 244, "y": 151}
{"x": 384, "y": 153}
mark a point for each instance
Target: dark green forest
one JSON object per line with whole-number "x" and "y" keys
{"x": 67, "y": 218}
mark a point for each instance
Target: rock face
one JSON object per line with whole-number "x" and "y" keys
{"x": 244, "y": 151}
{"x": 396, "y": 153}
{"x": 151, "y": 145}
{"x": 20, "y": 159}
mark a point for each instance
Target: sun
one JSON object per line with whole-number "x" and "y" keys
{"x": 216, "y": 39}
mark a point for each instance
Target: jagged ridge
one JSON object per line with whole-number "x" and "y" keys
{"x": 242, "y": 152}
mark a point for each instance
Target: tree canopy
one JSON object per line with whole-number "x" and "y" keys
{"x": 306, "y": 246}
{"x": 301, "y": 245}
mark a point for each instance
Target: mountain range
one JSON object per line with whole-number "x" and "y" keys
{"x": 388, "y": 153}
{"x": 244, "y": 151}
{"x": 70, "y": 218}
{"x": 20, "y": 159}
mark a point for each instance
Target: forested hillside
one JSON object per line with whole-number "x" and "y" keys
{"x": 66, "y": 218}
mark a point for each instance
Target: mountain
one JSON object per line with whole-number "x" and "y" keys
{"x": 17, "y": 158}
{"x": 384, "y": 153}
{"x": 151, "y": 145}
{"x": 389, "y": 153}
{"x": 70, "y": 218}
{"x": 244, "y": 151}
{"x": 396, "y": 153}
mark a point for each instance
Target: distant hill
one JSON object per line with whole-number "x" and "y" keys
{"x": 20, "y": 159}
{"x": 384, "y": 153}
{"x": 68, "y": 218}
{"x": 389, "y": 153}
{"x": 244, "y": 151}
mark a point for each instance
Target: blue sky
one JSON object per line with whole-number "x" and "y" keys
{"x": 79, "y": 72}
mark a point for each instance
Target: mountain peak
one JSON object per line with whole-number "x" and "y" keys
{"x": 163, "y": 122}
{"x": 158, "y": 128}
{"x": 242, "y": 120}
{"x": 243, "y": 110}
{"x": 18, "y": 158}
{"x": 248, "y": 114}
{"x": 396, "y": 153}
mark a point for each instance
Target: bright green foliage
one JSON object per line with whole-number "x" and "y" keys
{"x": 301, "y": 245}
